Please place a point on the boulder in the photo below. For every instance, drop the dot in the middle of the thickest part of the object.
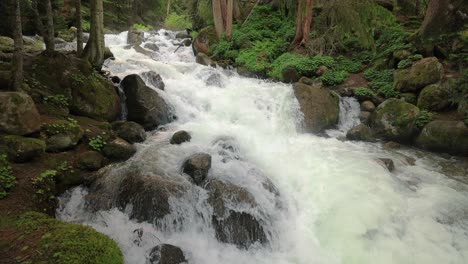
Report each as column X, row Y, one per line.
column 409, row 98
column 186, row 42
column 108, row 53
column 6, row 44
column 166, row 254
column 395, row 120
column 180, row 137
column 231, row 226
column 419, row 75
column 321, row 70
column 197, row 167
column 18, row 114
column 392, row 145
column 319, row 106
column 203, row 59
column 118, row 149
column 115, row 79
column 361, row 132
column 144, row 104
column 143, row 51
column 290, row 75
column 435, row 97
column 309, row 81
column 182, row 35
column 130, row 131
column 22, row 149
column 151, row 46
column 444, row 136
column 153, row 79
column 364, row 117
column 368, row 106
column 387, row 163
column 205, row 38
column 90, row 161
column 135, row 36
column 61, row 135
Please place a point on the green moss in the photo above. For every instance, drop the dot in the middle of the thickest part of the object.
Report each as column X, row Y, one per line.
column 67, row 243
column 334, row 77
column 7, row 179
column 142, row 27
column 424, row 118
column 407, row 62
column 305, row 66
column 69, row 126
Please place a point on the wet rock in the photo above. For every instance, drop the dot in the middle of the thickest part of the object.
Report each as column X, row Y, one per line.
column 197, row 167
column 182, row 35
column 435, row 97
column 186, row 42
column 115, row 79
column 290, row 75
column 135, row 36
column 419, row 75
column 444, row 136
column 145, row 106
column 108, row 54
column 21, row 149
column 90, row 161
column 361, row 132
column 214, row 80
column 364, row 117
column 153, row 79
column 395, row 120
column 309, row 81
column 143, row 51
column 166, row 254
column 392, row 145
column 205, row 38
column 129, row 131
column 61, row 135
column 151, row 46
column 239, row 228
column 18, row 114
column 203, row 59
column 368, row 106
column 319, row 106
column 118, row 149
column 180, row 137
column 388, row 163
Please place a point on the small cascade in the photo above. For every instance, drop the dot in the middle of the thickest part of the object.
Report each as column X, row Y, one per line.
column 348, row 118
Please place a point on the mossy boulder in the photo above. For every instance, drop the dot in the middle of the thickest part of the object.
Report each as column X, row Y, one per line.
column 6, row 44
column 435, row 97
column 419, row 75
column 130, row 131
column 319, row 106
column 61, row 242
column 361, row 132
column 203, row 59
column 444, row 136
column 22, row 149
column 61, row 135
column 395, row 120
column 145, row 106
column 90, row 161
column 411, row 98
column 118, row 149
column 18, row 114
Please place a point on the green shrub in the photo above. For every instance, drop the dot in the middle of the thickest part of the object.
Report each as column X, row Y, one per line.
column 407, row 62
column 363, row 92
column 86, row 25
column 334, row 77
column 97, row 143
column 142, row 27
column 62, row 127
column 392, row 39
column 305, row 66
column 7, row 179
column 177, row 22
column 344, row 64
column 387, row 90
column 57, row 100
column 423, row 118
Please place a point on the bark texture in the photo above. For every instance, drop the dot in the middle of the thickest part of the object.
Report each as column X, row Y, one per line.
column 94, row 50
column 79, row 28
column 17, row 62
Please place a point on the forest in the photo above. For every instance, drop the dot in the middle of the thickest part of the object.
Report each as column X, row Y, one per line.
column 172, row 131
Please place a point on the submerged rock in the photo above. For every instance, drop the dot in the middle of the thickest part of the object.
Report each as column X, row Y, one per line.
column 203, row 59
column 135, row 36
column 166, row 254
column 361, row 132
column 154, row 79
column 387, row 163
column 444, row 136
column 18, row 114
column 151, row 46
column 197, row 167
column 118, row 149
column 319, row 106
column 420, row 74
column 180, row 137
column 145, row 106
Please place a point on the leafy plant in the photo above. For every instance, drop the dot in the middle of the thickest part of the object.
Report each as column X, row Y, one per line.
column 387, row 90
column 142, row 27
column 65, row 126
column 334, row 77
column 57, row 100
column 407, row 62
column 7, row 179
column 345, row 64
column 177, row 22
column 363, row 92
column 423, row 118
column 44, row 184
column 97, row 143
column 304, row 65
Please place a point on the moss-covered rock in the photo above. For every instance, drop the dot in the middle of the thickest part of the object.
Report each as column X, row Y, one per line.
column 61, row 135
column 422, row 73
column 6, row 44
column 319, row 106
column 444, row 136
column 118, row 149
column 22, row 149
column 61, row 242
column 435, row 97
column 409, row 98
column 130, row 131
column 90, row 160
column 18, row 114
column 395, row 120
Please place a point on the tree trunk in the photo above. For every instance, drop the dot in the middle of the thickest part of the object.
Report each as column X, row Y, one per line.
column 303, row 23
column 230, row 5
column 439, row 18
column 37, row 18
column 168, row 8
column 94, row 50
column 218, row 17
column 17, row 62
column 50, row 35
column 299, row 29
column 79, row 29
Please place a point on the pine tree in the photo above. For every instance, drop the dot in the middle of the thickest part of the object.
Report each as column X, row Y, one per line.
column 17, row 62
column 94, row 50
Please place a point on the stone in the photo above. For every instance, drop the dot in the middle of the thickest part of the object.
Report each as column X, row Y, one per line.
column 395, row 120
column 186, row 42
column 166, row 254
column 153, row 79
column 203, row 59
column 321, row 70
column 115, row 79
column 151, row 46
column 435, row 97
column 364, row 117
column 108, row 53
column 129, row 131
column 319, row 106
column 90, row 161
column 419, row 75
column 61, row 135
column 182, row 35
column 309, row 81
column 290, row 75
column 18, row 114
column 6, row 44
column 143, row 51
column 180, row 137
column 368, row 106
column 135, row 36
column 22, row 149
column 444, row 136
column 409, row 98
column 118, row 149
column 145, row 106
column 391, row 145
column 205, row 38
column 361, row 132
column 197, row 167
column 387, row 163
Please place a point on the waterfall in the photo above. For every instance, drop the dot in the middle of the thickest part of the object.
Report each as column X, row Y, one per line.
column 333, row 201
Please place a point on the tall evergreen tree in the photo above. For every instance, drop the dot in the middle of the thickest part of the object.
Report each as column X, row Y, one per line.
column 17, row 62
column 94, row 50
column 49, row 39
column 303, row 23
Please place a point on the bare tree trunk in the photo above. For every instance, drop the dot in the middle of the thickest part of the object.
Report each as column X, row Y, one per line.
column 440, row 15
column 94, row 50
column 224, row 12
column 37, row 18
column 79, row 27
column 17, row 62
column 50, row 36
column 168, row 9
column 230, row 6
column 303, row 23
column 218, row 18
column 299, row 29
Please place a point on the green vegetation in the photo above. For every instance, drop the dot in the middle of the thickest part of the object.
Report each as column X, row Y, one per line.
column 363, row 93
column 424, row 118
column 62, row 127
column 407, row 62
column 97, row 143
column 304, row 65
column 58, row 100
column 44, row 186
column 381, row 81
column 142, row 27
column 177, row 22
column 7, row 179
column 334, row 77
column 67, row 243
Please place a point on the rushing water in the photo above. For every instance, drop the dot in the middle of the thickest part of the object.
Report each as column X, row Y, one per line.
column 339, row 204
